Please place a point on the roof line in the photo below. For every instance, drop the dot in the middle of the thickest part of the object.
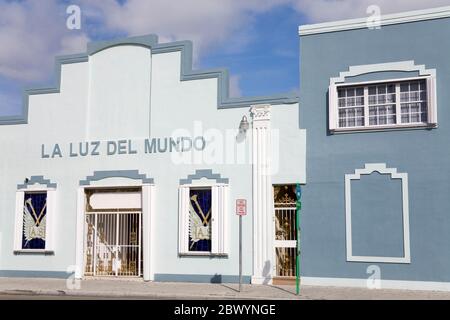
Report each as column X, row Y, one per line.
column 224, row 101
column 362, row 23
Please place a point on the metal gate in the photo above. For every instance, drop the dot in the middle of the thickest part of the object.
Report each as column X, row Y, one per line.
column 285, row 230
column 113, row 245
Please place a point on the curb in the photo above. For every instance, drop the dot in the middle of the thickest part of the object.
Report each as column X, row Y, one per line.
column 160, row 296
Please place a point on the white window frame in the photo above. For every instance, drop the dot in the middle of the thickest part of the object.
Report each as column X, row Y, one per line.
column 368, row 170
column 406, row 66
column 50, row 218
column 219, row 219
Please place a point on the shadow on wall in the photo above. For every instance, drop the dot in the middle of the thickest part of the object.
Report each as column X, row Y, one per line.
column 266, row 272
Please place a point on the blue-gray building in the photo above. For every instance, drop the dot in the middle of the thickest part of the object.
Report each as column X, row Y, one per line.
column 374, row 101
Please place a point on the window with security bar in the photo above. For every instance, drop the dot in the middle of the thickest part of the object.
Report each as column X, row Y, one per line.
column 113, row 224
column 384, row 105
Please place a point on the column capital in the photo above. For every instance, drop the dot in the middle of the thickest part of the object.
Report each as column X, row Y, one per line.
column 260, row 112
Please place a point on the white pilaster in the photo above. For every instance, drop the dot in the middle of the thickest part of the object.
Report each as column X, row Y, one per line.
column 262, row 195
column 80, row 237
column 148, row 211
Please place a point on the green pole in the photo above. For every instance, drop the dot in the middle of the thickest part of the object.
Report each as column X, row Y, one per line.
column 298, row 192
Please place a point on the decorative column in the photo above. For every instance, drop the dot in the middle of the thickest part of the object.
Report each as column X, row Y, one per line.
column 262, row 196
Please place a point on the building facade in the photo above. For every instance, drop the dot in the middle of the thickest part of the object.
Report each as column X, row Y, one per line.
column 131, row 167
column 375, row 107
column 133, row 164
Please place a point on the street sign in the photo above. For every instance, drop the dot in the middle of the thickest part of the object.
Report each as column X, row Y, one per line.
column 241, row 207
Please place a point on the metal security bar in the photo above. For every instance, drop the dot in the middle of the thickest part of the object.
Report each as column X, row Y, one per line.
column 113, row 246
column 285, row 239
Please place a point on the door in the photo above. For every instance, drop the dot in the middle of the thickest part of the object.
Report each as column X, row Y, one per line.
column 285, row 233
column 114, row 235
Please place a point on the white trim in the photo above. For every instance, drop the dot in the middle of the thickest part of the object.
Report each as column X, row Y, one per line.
column 50, row 218
column 382, row 169
column 400, row 66
column 362, row 23
column 148, row 230
column 18, row 222
column 285, row 243
column 384, row 284
column 148, row 212
column 80, row 234
column 262, row 202
column 219, row 218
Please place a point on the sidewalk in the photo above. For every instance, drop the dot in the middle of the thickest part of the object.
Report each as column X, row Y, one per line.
column 139, row 289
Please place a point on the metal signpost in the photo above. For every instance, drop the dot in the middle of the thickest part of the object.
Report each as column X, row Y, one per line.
column 241, row 210
column 298, row 191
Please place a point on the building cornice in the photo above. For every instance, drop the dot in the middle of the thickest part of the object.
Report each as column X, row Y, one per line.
column 361, row 23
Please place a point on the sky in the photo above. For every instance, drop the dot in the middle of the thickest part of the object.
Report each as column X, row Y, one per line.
column 256, row 40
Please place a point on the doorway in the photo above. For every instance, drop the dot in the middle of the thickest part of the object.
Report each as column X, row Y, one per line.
column 113, row 224
column 285, row 234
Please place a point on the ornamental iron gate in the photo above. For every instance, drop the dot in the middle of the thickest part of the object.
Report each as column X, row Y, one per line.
column 113, row 243
column 285, row 230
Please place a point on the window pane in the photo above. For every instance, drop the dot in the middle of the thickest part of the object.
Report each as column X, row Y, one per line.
column 405, row 118
column 404, row 87
column 382, row 102
column 34, row 220
column 360, row 101
column 200, row 220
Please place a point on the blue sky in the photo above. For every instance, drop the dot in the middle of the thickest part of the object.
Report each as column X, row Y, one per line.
column 256, row 40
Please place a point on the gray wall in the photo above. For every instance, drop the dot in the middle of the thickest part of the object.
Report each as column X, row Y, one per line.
column 423, row 154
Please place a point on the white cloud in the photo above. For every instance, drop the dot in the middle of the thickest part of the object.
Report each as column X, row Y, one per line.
column 329, row 10
column 205, row 22
column 235, row 89
column 31, row 34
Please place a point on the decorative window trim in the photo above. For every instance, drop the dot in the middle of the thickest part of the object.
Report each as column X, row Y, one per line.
column 402, row 66
column 35, row 184
column 382, row 169
column 219, row 212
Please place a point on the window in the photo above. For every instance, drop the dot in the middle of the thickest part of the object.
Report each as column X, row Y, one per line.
column 391, row 104
column 35, row 208
column 200, row 220
column 34, row 220
column 203, row 210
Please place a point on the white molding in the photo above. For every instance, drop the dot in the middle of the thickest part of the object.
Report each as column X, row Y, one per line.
column 362, row 23
column 18, row 222
column 399, row 66
column 382, row 169
column 402, row 66
column 80, row 234
column 262, row 202
column 50, row 218
column 148, row 222
column 148, row 212
column 219, row 219
column 384, row 284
